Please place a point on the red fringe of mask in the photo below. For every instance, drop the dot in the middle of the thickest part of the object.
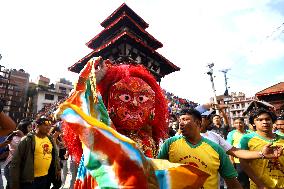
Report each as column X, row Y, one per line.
column 72, row 141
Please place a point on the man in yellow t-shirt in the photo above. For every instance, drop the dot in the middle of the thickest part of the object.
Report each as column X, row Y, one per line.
column 234, row 138
column 191, row 148
column 42, row 156
column 263, row 173
column 35, row 163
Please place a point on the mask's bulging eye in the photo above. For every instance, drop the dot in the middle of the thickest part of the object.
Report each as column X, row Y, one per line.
column 125, row 97
column 142, row 98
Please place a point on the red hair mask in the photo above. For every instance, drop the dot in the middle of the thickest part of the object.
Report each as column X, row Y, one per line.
column 131, row 104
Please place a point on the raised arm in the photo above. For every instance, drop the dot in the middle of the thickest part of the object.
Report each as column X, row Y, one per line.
column 221, row 108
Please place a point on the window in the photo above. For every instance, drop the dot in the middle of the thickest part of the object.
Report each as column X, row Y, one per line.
column 62, row 88
column 49, row 97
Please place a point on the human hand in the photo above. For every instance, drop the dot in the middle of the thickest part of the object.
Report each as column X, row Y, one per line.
column 220, row 106
column 270, row 151
column 101, row 69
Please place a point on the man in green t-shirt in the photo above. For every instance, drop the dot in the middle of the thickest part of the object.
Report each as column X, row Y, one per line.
column 263, row 173
column 191, row 148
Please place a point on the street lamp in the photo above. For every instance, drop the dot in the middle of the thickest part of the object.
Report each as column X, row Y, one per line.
column 210, row 73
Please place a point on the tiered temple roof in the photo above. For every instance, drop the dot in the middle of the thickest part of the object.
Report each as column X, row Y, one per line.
column 124, row 39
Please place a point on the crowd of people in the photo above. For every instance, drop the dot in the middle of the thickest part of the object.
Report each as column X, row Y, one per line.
column 235, row 156
column 176, row 103
column 48, row 109
column 245, row 157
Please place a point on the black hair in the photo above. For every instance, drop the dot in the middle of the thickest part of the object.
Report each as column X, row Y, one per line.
column 280, row 117
column 190, row 111
column 216, row 115
column 23, row 125
column 239, row 118
column 259, row 111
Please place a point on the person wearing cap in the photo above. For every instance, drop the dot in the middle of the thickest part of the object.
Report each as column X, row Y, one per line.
column 35, row 163
column 263, row 173
column 219, row 127
column 191, row 148
column 280, row 125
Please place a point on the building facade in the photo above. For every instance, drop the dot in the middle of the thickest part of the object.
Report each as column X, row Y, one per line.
column 63, row 86
column 236, row 104
column 46, row 94
column 13, row 91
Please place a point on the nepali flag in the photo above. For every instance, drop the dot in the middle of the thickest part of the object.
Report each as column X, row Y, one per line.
column 110, row 159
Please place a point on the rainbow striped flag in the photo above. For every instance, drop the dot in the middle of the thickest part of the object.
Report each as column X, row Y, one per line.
column 110, row 159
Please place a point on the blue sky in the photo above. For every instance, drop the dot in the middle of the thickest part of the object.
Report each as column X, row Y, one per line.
column 245, row 36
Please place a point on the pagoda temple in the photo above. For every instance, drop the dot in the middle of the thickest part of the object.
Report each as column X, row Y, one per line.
column 125, row 39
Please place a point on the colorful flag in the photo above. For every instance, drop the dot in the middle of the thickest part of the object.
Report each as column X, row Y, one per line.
column 110, row 159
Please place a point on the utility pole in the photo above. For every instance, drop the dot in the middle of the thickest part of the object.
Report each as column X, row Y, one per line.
column 225, row 71
column 227, row 98
column 210, row 73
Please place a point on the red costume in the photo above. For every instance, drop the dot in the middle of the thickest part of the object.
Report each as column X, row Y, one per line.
column 136, row 105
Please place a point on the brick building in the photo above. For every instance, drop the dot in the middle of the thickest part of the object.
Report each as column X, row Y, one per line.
column 13, row 90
